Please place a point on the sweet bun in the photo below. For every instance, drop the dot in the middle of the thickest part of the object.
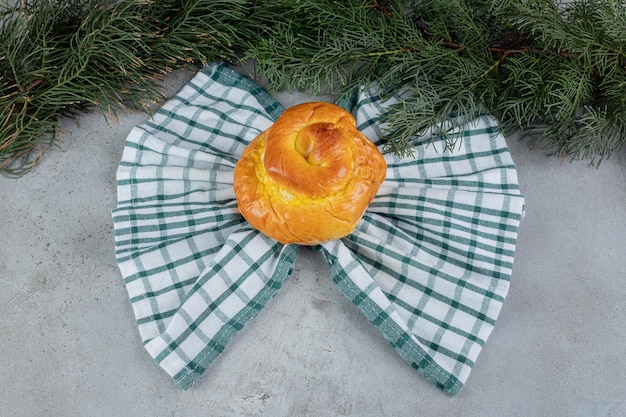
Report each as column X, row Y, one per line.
column 309, row 177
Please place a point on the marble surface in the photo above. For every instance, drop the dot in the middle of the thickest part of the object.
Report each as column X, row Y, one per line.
column 70, row 346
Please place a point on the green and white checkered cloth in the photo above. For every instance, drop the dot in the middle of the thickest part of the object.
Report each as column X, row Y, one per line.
column 429, row 264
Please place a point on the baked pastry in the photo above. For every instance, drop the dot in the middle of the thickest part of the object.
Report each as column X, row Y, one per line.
column 309, row 177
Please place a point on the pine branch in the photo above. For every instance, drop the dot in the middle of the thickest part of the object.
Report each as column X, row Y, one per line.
column 60, row 57
column 554, row 70
column 558, row 72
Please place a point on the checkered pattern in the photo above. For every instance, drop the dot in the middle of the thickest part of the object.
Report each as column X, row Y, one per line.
column 429, row 264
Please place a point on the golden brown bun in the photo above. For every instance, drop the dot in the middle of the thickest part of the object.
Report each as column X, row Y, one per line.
column 309, row 177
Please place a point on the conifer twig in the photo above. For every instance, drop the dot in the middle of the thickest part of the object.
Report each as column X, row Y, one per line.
column 555, row 71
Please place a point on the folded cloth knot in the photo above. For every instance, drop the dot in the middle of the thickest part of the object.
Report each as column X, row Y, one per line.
column 429, row 264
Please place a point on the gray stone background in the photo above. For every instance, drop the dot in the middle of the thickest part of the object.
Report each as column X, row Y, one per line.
column 70, row 347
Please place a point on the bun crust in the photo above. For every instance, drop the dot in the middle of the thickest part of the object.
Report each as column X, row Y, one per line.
column 309, row 177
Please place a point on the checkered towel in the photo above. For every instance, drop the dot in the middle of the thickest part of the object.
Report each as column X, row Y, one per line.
column 429, row 264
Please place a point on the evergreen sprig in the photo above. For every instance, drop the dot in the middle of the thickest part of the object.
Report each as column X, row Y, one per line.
column 555, row 71
column 59, row 57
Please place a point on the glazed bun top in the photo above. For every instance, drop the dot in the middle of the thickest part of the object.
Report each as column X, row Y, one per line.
column 309, row 177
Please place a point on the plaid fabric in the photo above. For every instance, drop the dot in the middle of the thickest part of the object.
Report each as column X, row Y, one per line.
column 429, row 264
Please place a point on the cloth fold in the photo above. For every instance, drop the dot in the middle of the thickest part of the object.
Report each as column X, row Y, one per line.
column 429, row 264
